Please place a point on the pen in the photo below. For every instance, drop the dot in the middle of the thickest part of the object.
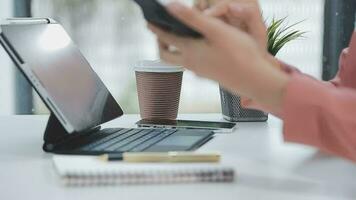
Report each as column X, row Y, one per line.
column 172, row 157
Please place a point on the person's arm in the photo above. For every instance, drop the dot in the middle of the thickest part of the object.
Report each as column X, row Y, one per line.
column 324, row 115
column 345, row 76
column 290, row 70
column 319, row 115
column 314, row 113
column 251, row 104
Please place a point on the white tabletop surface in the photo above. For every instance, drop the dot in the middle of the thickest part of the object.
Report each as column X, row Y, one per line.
column 267, row 167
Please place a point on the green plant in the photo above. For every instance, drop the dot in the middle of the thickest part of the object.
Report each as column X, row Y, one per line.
column 280, row 33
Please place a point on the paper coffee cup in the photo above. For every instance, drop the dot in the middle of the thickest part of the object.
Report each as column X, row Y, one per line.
column 159, row 87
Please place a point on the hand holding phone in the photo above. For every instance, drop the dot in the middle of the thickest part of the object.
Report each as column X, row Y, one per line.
column 155, row 13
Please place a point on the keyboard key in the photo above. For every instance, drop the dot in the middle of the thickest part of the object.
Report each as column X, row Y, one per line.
column 75, row 141
column 139, row 141
column 116, row 140
column 95, row 136
column 105, row 139
column 153, row 140
column 128, row 140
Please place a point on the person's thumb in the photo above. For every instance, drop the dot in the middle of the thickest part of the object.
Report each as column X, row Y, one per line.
column 207, row 26
column 250, row 15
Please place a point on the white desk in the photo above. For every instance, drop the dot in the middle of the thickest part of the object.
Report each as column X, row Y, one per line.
column 267, row 168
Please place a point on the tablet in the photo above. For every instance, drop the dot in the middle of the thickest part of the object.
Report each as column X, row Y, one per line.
column 63, row 78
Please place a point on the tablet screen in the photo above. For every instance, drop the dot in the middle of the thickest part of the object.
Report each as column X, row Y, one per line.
column 68, row 79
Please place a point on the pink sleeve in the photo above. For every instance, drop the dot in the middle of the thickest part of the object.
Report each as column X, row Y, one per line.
column 317, row 114
column 324, row 115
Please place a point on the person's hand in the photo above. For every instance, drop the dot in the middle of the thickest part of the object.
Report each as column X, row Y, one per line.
column 205, row 4
column 225, row 54
column 201, row 4
column 244, row 15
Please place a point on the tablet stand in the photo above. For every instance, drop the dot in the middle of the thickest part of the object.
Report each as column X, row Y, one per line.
column 54, row 132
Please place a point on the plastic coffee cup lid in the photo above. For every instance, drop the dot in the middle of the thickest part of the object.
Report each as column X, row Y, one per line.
column 157, row 66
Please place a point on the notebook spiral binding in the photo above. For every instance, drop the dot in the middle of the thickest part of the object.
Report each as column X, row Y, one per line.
column 81, row 179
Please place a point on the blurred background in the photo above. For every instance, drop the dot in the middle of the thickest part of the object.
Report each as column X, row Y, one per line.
column 113, row 36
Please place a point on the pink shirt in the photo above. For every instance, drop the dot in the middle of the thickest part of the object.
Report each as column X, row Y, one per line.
column 323, row 114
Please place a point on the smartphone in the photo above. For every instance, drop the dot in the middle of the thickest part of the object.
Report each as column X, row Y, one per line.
column 187, row 124
column 155, row 13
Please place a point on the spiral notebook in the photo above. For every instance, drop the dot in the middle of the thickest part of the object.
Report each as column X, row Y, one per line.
column 90, row 171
